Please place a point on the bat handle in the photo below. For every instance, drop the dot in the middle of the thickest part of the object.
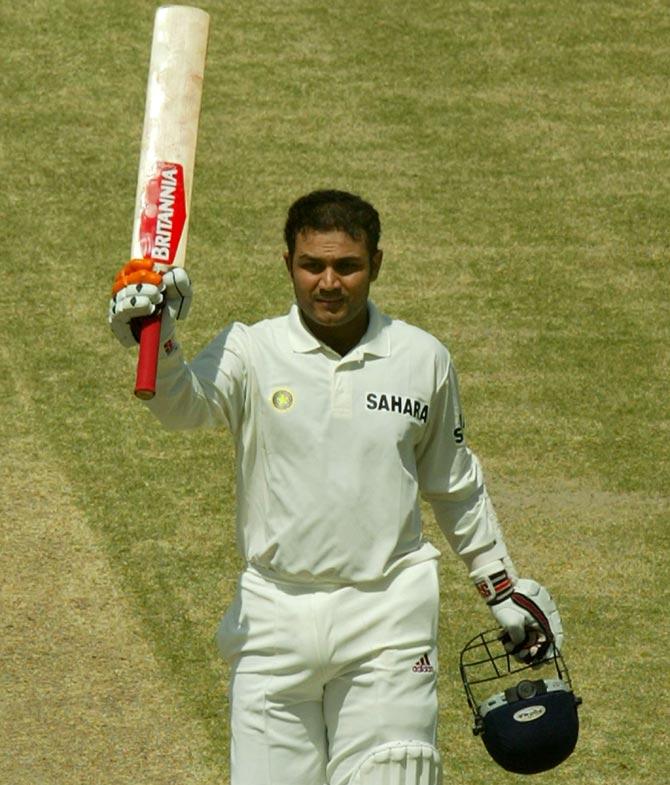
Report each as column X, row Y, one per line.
column 147, row 359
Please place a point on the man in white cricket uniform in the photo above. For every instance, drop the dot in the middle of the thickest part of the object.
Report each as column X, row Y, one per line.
column 342, row 419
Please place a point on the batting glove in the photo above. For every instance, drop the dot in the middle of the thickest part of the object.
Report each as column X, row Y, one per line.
column 139, row 291
column 524, row 609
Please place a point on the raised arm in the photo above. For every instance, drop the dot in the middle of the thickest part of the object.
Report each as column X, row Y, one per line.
column 210, row 391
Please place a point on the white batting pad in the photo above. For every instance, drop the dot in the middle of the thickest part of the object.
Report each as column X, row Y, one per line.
column 400, row 763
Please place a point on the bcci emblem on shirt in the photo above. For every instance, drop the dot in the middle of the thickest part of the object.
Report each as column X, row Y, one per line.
column 282, row 400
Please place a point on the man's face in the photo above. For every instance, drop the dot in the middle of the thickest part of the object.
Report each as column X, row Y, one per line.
column 331, row 274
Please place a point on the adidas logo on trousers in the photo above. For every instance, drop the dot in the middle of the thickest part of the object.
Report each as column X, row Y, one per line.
column 423, row 665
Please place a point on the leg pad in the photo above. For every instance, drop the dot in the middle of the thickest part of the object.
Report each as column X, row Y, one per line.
column 400, row 763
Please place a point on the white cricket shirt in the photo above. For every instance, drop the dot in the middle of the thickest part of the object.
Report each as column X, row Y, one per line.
column 333, row 452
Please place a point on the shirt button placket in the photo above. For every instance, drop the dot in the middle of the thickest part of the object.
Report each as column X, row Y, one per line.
column 342, row 404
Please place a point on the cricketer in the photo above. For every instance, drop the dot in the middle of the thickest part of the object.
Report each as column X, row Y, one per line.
column 343, row 419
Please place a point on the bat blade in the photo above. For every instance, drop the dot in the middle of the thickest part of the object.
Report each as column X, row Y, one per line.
column 167, row 158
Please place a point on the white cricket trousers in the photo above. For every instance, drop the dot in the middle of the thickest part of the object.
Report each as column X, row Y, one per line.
column 322, row 674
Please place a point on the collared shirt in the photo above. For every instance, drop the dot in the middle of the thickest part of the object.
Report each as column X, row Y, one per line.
column 333, row 453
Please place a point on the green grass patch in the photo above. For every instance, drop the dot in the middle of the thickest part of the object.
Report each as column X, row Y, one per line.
column 518, row 154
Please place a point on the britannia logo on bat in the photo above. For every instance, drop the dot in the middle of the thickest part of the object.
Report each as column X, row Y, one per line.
column 163, row 213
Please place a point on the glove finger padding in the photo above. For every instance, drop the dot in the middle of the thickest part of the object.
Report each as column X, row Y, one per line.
column 137, row 292
column 132, row 302
column 140, row 289
column 531, row 622
column 140, row 299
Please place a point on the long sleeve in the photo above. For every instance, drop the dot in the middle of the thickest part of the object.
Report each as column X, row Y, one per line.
column 208, row 392
column 452, row 481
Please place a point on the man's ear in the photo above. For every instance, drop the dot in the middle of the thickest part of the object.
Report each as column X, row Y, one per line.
column 289, row 263
column 376, row 263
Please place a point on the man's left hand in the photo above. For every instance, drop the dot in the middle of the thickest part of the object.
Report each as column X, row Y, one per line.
column 531, row 622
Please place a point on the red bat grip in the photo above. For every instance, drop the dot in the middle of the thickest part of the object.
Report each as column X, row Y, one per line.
column 147, row 359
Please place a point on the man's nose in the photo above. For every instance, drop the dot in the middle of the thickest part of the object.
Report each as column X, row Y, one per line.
column 330, row 279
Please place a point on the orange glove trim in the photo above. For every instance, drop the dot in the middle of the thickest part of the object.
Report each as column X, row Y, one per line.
column 134, row 272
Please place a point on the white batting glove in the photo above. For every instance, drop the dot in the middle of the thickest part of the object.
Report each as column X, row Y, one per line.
column 531, row 622
column 177, row 298
column 132, row 302
column 172, row 292
column 524, row 609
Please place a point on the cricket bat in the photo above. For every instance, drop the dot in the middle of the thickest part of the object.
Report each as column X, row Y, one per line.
column 167, row 158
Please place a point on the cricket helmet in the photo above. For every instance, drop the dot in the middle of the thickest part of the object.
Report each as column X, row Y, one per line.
column 530, row 723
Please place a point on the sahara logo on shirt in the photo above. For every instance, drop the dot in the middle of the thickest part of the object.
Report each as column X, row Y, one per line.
column 400, row 404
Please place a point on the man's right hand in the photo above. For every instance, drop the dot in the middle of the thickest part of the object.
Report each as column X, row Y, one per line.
column 139, row 290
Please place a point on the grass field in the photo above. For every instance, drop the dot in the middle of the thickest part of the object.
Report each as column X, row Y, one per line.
column 518, row 153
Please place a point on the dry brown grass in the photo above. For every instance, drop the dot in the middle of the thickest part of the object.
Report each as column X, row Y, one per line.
column 83, row 698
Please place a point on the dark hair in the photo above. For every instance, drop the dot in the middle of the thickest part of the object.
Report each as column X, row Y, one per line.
column 327, row 210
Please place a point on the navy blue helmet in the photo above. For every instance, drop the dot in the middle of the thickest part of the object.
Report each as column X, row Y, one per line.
column 530, row 723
